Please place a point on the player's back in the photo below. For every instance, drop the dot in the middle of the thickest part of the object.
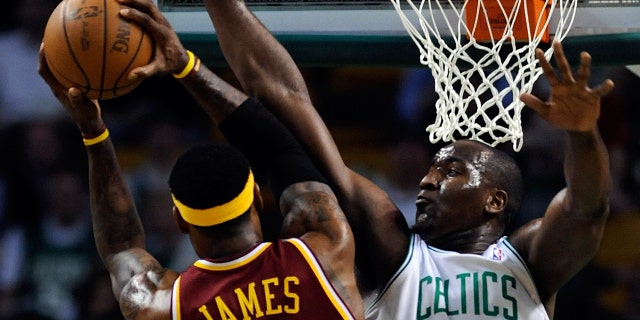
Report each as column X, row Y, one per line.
column 279, row 280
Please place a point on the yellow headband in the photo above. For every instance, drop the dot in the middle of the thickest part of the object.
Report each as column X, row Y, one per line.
column 221, row 213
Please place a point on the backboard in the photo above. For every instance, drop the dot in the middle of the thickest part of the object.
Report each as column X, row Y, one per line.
column 369, row 32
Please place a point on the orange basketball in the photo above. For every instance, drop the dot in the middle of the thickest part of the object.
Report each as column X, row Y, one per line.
column 88, row 45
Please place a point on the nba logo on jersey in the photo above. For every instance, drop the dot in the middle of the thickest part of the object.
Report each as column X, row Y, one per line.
column 497, row 254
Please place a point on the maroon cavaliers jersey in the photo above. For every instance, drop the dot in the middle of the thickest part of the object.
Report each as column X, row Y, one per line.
column 279, row 280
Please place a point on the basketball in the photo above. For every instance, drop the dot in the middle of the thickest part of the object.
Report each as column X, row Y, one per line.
column 88, row 45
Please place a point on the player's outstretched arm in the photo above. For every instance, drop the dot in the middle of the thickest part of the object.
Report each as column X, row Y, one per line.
column 569, row 234
column 267, row 72
column 138, row 280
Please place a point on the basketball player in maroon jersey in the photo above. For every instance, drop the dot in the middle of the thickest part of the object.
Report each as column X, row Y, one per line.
column 309, row 274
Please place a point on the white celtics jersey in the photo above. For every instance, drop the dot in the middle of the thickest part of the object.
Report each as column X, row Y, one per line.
column 436, row 284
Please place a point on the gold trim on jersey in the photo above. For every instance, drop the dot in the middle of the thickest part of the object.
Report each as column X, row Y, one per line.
column 324, row 282
column 236, row 263
column 175, row 300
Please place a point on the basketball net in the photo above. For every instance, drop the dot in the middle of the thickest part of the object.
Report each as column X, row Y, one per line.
column 482, row 56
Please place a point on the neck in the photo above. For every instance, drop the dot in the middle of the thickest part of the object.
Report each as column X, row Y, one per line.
column 474, row 241
column 215, row 248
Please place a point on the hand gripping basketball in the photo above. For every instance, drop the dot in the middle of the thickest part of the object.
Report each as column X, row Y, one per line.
column 88, row 45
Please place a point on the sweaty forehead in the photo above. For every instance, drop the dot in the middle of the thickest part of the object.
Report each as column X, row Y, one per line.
column 465, row 151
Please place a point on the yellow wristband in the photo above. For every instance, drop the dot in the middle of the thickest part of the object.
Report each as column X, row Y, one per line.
column 102, row 137
column 188, row 67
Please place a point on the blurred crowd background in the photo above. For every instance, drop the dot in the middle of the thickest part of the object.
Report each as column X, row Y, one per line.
column 49, row 267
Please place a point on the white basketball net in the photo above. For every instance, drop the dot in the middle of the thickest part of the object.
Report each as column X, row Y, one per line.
column 479, row 83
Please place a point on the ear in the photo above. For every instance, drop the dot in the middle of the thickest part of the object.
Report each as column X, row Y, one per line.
column 497, row 201
column 182, row 225
column 258, row 202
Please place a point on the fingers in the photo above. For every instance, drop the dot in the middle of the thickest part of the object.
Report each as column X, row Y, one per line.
column 547, row 69
column 143, row 72
column 582, row 74
column 43, row 69
column 584, row 70
column 146, row 14
column 75, row 97
column 140, row 18
column 79, row 100
column 168, row 47
column 562, row 62
column 534, row 103
column 604, row 88
column 142, row 5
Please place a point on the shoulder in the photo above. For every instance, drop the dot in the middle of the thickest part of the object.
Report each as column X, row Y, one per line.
column 312, row 206
column 522, row 237
column 312, row 189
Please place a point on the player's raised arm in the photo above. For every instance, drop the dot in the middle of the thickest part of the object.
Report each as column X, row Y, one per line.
column 569, row 234
column 138, row 280
column 267, row 71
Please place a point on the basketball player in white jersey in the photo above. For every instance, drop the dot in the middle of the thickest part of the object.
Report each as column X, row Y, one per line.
column 455, row 262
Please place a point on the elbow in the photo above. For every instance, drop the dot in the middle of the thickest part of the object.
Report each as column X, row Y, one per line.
column 589, row 201
column 593, row 212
